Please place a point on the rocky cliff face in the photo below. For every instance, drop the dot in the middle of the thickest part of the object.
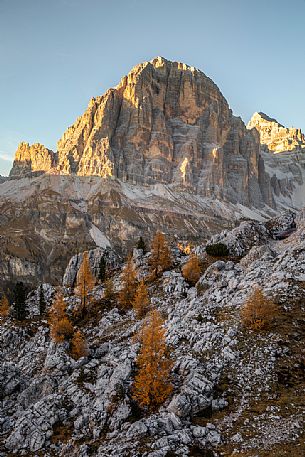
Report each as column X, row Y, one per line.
column 166, row 123
column 46, row 219
column 282, row 151
column 34, row 159
column 275, row 137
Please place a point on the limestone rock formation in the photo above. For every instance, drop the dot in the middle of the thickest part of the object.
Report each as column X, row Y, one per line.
column 234, row 388
column 274, row 136
column 34, row 159
column 95, row 255
column 166, row 123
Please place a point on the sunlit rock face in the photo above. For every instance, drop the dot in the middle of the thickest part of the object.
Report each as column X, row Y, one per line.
column 34, row 159
column 274, row 136
column 283, row 155
column 165, row 123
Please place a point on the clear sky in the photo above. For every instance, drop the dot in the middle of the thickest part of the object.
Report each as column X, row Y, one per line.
column 56, row 54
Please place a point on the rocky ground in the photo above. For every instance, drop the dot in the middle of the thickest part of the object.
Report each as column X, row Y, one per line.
column 236, row 391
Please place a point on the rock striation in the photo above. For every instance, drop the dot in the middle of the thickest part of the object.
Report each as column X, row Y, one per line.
column 274, row 136
column 95, row 256
column 45, row 222
column 34, row 159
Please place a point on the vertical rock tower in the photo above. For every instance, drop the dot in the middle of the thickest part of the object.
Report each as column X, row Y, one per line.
column 34, row 159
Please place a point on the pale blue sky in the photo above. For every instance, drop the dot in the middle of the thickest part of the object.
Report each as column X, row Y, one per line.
column 55, row 55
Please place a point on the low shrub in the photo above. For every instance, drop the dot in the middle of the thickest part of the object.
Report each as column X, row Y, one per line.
column 217, row 250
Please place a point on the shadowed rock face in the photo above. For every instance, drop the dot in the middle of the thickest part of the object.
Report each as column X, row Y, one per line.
column 274, row 136
column 165, row 122
column 47, row 219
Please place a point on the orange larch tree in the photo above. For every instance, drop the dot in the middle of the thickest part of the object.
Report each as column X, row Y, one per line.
column 4, row 306
column 129, row 281
column 109, row 292
column 141, row 300
column 152, row 385
column 160, row 259
column 84, row 284
column 191, row 270
column 60, row 325
column 258, row 312
column 79, row 347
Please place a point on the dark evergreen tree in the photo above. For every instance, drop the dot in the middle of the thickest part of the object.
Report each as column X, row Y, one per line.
column 217, row 250
column 102, row 269
column 19, row 301
column 42, row 301
column 141, row 245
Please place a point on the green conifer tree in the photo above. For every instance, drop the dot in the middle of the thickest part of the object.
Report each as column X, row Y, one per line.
column 141, row 245
column 42, row 301
column 19, row 301
column 102, row 269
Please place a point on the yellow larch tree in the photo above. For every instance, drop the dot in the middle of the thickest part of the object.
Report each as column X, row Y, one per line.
column 129, row 285
column 160, row 259
column 141, row 300
column 84, row 284
column 4, row 306
column 79, row 347
column 152, row 384
column 60, row 325
column 109, row 292
column 258, row 312
column 191, row 270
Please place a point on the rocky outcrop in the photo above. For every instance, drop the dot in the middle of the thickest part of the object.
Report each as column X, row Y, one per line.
column 222, row 374
column 275, row 137
column 32, row 160
column 95, row 256
column 240, row 240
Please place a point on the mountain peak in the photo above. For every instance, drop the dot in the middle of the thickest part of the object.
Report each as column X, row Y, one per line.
column 29, row 159
column 275, row 136
column 158, row 64
column 160, row 61
column 165, row 123
column 260, row 116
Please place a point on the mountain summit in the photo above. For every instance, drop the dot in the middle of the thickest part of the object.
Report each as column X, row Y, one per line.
column 275, row 137
column 165, row 122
